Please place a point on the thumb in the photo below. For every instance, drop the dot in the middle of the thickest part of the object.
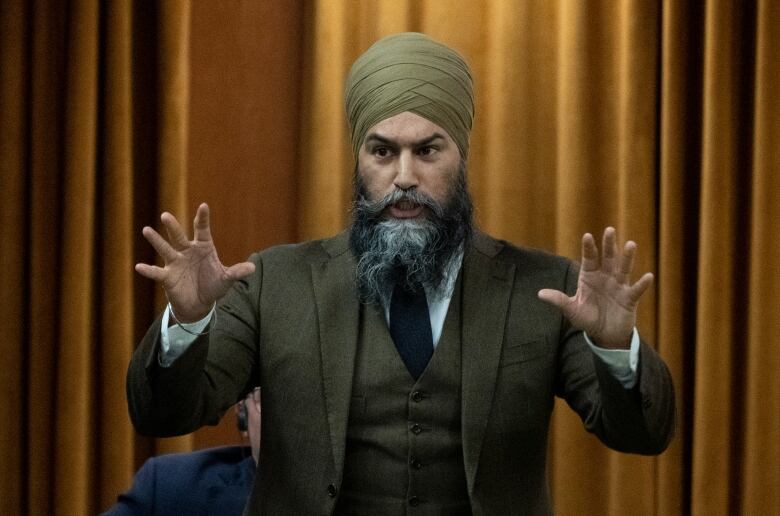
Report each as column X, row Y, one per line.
column 239, row 270
column 554, row 297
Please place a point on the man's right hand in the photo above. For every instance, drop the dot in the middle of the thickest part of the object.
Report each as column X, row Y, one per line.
column 193, row 277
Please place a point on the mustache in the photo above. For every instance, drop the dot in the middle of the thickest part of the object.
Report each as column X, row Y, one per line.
column 411, row 195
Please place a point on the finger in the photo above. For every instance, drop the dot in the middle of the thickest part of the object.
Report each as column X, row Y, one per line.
column 608, row 250
column 176, row 236
column 627, row 261
column 162, row 247
column 151, row 271
column 639, row 288
column 590, row 253
column 239, row 270
column 555, row 298
column 201, row 224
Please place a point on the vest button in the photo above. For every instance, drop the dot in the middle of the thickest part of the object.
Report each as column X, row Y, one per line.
column 332, row 491
column 416, row 464
column 417, row 396
column 416, row 429
column 414, row 501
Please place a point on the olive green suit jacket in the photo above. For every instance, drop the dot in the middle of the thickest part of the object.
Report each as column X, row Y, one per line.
column 292, row 327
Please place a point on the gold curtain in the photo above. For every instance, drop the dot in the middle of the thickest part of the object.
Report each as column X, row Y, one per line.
column 660, row 117
column 83, row 100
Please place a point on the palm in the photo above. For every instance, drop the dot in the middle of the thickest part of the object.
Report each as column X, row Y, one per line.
column 193, row 276
column 604, row 305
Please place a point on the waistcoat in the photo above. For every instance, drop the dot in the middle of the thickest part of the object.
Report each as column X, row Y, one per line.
column 404, row 453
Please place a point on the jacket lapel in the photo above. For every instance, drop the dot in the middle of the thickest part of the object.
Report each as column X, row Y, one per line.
column 487, row 287
column 338, row 312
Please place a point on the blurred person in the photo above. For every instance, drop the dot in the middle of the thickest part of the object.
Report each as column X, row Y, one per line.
column 210, row 481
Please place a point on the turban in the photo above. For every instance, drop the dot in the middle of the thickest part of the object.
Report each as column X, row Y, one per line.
column 410, row 72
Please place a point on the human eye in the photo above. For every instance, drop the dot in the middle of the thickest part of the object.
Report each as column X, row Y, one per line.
column 427, row 151
column 381, row 151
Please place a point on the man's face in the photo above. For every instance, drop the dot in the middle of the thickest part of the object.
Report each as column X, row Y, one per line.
column 408, row 151
column 412, row 210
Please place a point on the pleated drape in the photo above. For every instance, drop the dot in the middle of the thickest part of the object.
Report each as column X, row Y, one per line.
column 727, row 78
column 658, row 117
column 71, row 175
column 13, row 266
column 759, row 467
column 679, row 144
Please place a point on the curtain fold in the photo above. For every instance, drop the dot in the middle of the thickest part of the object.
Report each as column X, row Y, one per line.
column 71, row 168
column 74, row 380
column 760, row 467
column 679, row 180
column 727, row 114
column 13, row 235
column 516, row 181
column 328, row 53
column 115, row 230
column 44, row 150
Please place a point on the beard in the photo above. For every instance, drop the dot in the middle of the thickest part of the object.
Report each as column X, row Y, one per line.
column 412, row 253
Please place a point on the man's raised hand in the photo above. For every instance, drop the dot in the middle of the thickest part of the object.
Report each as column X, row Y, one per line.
column 193, row 277
column 604, row 305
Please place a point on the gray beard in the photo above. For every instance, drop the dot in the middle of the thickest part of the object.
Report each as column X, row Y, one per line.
column 417, row 254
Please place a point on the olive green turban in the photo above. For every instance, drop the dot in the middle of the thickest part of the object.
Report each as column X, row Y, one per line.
column 410, row 72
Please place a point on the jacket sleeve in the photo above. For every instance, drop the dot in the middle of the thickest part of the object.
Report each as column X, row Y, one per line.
column 209, row 377
column 637, row 420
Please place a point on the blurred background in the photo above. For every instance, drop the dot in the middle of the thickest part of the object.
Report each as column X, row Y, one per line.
column 659, row 117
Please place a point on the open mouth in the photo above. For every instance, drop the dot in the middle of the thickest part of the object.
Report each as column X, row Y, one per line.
column 405, row 209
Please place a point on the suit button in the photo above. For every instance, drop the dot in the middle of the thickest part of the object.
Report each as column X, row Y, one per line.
column 332, row 491
column 414, row 501
column 417, row 396
column 416, row 429
column 647, row 402
column 416, row 464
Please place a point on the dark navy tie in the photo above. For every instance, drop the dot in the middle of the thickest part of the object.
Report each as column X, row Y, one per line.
column 410, row 327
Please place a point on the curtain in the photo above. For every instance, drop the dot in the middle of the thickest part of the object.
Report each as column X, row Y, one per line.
column 658, row 117
column 106, row 120
column 92, row 142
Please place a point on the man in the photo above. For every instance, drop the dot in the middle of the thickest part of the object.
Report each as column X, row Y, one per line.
column 211, row 481
column 408, row 365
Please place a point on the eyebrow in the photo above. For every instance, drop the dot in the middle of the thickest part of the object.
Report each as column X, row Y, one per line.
column 387, row 141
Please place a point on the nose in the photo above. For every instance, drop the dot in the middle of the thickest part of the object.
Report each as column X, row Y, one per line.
column 406, row 173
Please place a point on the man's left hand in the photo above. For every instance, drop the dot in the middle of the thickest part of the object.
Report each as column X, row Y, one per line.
column 604, row 305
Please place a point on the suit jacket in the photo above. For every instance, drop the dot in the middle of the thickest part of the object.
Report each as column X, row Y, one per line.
column 213, row 481
column 292, row 327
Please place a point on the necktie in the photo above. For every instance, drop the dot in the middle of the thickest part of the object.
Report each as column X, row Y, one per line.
column 410, row 327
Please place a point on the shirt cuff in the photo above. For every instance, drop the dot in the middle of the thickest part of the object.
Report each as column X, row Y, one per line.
column 174, row 341
column 622, row 363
